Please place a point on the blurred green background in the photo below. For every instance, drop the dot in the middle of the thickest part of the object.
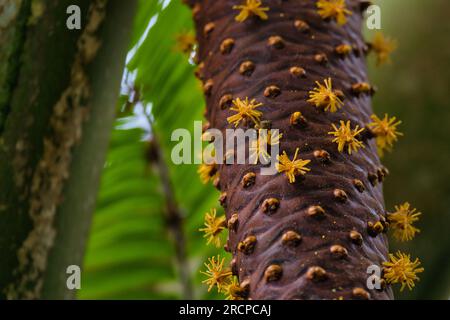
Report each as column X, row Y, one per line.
column 131, row 251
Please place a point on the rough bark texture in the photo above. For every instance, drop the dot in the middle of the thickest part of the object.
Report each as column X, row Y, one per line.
column 61, row 89
column 345, row 266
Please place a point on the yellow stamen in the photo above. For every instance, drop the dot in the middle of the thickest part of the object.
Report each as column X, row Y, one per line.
column 185, row 42
column 213, row 227
column 325, row 97
column 346, row 136
column 292, row 168
column 385, row 131
column 232, row 290
column 333, row 9
column 383, row 47
column 400, row 269
column 401, row 221
column 216, row 275
column 245, row 110
column 251, row 7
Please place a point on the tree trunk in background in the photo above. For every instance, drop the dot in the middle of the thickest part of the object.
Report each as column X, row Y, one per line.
column 58, row 95
column 332, row 258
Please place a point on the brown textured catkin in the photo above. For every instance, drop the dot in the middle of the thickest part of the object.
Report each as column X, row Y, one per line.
column 324, row 233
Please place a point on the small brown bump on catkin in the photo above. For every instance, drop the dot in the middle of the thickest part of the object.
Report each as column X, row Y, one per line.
column 248, row 180
column 373, row 179
column 343, row 49
column 208, row 86
column 360, row 293
column 322, row 156
column 270, row 206
column 233, row 222
column 216, row 183
column 276, row 41
column 297, row 119
column 272, row 91
column 227, row 46
column 297, row 72
column 196, row 10
column 273, row 273
column 223, row 199
column 226, row 101
column 340, row 195
column 321, row 58
column 291, row 238
column 199, row 71
column 248, row 245
column 209, row 27
column 316, row 274
column 316, row 212
column 339, row 251
column 359, row 185
column 301, row 26
column 246, row 68
column 381, row 175
column 206, row 126
column 245, row 286
column 361, row 88
column 375, row 228
column 356, row 237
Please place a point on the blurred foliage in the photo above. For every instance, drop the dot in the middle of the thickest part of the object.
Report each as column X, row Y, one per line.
column 130, row 254
column 415, row 87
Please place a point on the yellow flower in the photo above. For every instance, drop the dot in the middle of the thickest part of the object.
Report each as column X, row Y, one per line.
column 292, row 168
column 232, row 290
column 245, row 110
column 259, row 147
column 333, row 9
column 213, row 227
column 345, row 135
column 251, row 7
column 185, row 42
column 208, row 172
column 324, row 97
column 385, row 131
column 400, row 269
column 383, row 47
column 217, row 276
column 402, row 222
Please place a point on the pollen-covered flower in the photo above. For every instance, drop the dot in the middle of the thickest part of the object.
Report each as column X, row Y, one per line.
column 259, row 147
column 216, row 274
column 213, row 227
column 346, row 136
column 245, row 110
column 232, row 290
column 400, row 269
column 323, row 96
column 383, row 47
column 402, row 220
column 292, row 168
column 208, row 172
column 185, row 42
column 385, row 131
column 333, row 9
column 251, row 7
